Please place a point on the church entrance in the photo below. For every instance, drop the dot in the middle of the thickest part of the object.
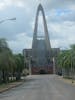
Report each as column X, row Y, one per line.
column 42, row 71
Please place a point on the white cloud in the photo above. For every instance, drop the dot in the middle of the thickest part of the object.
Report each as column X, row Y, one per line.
column 6, row 3
column 68, row 17
column 50, row 4
column 2, row 6
column 22, row 41
column 60, row 16
column 62, row 34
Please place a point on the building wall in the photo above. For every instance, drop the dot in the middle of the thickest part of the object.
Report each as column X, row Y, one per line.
column 35, row 69
column 46, row 69
column 40, row 56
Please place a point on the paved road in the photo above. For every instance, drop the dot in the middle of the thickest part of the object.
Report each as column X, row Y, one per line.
column 41, row 87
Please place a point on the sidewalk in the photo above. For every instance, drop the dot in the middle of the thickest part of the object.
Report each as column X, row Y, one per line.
column 5, row 87
column 69, row 81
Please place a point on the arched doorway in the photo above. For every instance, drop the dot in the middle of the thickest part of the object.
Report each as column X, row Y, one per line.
column 42, row 71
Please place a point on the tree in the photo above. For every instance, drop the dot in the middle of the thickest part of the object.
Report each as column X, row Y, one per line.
column 10, row 64
column 73, row 58
column 19, row 60
column 6, row 60
column 64, row 61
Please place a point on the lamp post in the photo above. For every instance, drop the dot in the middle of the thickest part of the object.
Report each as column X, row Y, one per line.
column 53, row 65
column 11, row 19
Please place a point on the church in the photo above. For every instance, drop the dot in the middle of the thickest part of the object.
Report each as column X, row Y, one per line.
column 40, row 59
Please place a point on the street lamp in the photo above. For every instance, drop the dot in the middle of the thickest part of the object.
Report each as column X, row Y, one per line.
column 11, row 19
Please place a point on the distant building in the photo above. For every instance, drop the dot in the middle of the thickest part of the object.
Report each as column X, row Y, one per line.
column 39, row 59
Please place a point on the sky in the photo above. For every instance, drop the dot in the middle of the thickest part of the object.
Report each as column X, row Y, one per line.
column 60, row 17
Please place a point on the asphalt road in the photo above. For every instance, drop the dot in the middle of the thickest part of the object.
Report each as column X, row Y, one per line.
column 41, row 87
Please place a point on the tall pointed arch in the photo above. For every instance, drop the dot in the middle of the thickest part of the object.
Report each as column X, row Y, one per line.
column 34, row 43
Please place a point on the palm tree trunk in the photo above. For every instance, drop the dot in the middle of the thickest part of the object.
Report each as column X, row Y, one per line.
column 4, row 76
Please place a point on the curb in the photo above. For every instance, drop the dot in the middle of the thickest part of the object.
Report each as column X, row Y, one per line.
column 66, row 80
column 10, row 87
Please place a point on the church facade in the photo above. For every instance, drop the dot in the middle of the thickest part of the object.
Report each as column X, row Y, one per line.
column 39, row 59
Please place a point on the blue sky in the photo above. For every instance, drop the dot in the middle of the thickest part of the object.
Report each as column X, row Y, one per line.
column 60, row 17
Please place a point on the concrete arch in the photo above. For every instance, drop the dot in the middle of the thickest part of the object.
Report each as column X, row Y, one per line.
column 40, row 8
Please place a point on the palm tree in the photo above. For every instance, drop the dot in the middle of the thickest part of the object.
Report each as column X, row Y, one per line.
column 64, row 61
column 19, row 60
column 73, row 59
column 6, row 60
